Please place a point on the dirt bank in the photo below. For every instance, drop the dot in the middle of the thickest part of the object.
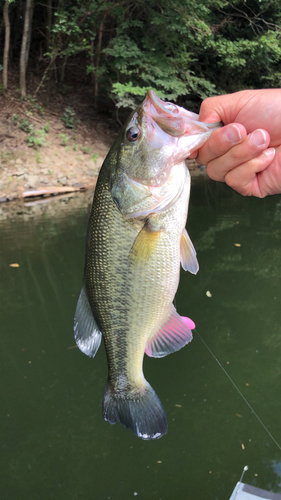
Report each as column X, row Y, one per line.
column 39, row 152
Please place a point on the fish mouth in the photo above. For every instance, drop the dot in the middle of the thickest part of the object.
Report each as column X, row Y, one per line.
column 172, row 119
column 167, row 108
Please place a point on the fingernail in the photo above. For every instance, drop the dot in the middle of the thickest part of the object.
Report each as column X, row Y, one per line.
column 269, row 152
column 233, row 134
column 258, row 138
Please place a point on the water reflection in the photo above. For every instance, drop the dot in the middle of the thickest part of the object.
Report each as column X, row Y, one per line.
column 54, row 442
column 276, row 466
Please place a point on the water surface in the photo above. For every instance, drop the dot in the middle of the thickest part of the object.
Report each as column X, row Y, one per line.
column 54, row 442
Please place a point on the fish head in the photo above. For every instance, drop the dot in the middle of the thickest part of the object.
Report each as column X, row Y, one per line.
column 157, row 136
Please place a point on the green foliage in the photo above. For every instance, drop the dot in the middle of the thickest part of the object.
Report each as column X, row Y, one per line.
column 34, row 106
column 64, row 139
column 184, row 50
column 69, row 118
column 3, row 90
column 46, row 127
column 25, row 125
column 5, row 156
column 36, row 138
column 66, row 25
column 125, row 94
column 85, row 150
column 38, row 158
column 190, row 51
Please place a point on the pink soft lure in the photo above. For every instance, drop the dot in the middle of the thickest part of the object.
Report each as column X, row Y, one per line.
column 188, row 322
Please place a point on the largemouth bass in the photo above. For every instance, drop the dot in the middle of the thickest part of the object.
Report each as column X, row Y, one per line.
column 135, row 244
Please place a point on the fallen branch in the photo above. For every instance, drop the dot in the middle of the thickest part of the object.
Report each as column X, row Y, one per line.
column 52, row 190
column 46, row 72
column 47, row 199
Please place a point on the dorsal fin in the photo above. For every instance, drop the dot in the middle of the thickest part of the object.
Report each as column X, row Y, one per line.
column 86, row 331
column 189, row 260
column 171, row 337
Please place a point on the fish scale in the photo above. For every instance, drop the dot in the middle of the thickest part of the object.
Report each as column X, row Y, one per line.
column 107, row 268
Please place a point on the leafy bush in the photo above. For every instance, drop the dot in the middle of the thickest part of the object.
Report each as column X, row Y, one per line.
column 46, row 127
column 68, row 117
column 36, row 138
column 184, row 50
column 25, row 125
column 34, row 106
column 64, row 139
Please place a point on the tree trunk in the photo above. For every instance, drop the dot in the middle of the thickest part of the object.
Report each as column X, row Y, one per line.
column 49, row 23
column 98, row 51
column 49, row 68
column 2, row 24
column 24, row 46
column 7, row 43
column 92, row 60
column 62, row 74
column 29, row 34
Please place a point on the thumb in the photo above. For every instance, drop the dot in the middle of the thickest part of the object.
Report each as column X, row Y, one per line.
column 212, row 110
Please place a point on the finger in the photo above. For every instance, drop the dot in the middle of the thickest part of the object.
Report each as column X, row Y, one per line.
column 251, row 147
column 245, row 178
column 221, row 141
column 193, row 155
column 226, row 108
column 213, row 109
column 269, row 179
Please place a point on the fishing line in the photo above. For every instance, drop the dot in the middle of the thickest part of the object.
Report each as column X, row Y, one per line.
column 238, row 390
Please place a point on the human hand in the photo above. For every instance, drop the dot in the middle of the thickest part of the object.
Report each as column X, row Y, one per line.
column 239, row 153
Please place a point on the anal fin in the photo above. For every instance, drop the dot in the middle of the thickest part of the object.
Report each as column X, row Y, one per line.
column 86, row 331
column 171, row 337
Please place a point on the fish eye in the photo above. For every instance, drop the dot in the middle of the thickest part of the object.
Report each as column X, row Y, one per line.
column 133, row 134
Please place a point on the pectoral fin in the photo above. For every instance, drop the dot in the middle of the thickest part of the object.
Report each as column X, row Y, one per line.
column 86, row 331
column 146, row 242
column 189, row 260
column 171, row 337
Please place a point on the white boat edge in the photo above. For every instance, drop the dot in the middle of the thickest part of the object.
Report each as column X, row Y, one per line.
column 243, row 491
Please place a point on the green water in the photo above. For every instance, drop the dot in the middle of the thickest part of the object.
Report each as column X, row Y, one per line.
column 54, row 443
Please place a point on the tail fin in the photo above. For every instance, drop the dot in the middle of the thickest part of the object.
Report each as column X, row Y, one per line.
column 142, row 413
